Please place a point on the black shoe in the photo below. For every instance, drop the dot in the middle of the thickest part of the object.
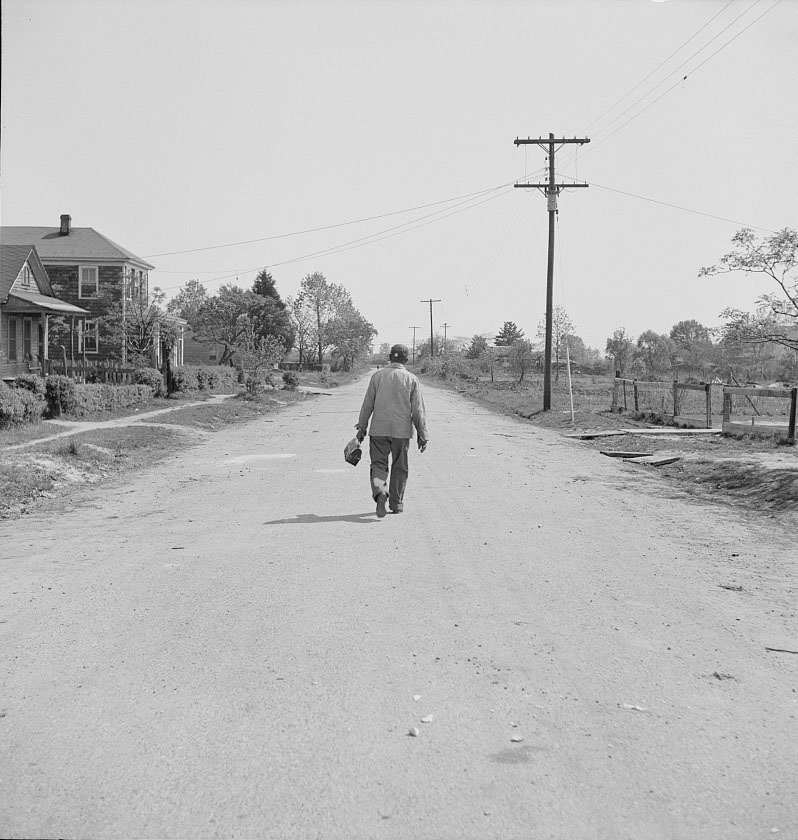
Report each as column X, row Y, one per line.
column 398, row 509
column 381, row 500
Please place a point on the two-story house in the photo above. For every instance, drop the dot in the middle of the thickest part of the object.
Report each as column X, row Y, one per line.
column 88, row 270
column 27, row 305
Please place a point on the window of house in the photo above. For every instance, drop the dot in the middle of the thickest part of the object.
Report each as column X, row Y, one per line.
column 88, row 281
column 88, row 338
column 12, row 340
column 26, row 276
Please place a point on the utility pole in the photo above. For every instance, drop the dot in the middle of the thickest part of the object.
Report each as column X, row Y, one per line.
column 431, row 339
column 551, row 190
column 445, row 327
column 414, row 343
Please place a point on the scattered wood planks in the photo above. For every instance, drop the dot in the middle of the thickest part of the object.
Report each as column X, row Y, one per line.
column 598, row 434
column 625, row 455
column 659, row 430
column 652, row 459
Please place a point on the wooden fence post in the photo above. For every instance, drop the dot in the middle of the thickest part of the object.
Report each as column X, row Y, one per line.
column 624, row 395
column 614, row 406
column 727, row 401
column 791, row 428
column 675, row 398
column 708, row 388
column 637, row 401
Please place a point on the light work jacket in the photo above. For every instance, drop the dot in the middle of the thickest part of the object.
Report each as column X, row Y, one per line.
column 394, row 403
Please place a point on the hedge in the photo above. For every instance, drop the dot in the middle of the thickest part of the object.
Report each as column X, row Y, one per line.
column 19, row 405
column 59, row 391
column 100, row 398
column 215, row 378
column 31, row 382
column 151, row 377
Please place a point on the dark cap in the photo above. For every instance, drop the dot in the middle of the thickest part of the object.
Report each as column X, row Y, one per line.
column 399, row 353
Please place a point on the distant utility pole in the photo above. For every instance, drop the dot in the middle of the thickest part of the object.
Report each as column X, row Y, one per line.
column 551, row 190
column 414, row 343
column 445, row 327
column 431, row 339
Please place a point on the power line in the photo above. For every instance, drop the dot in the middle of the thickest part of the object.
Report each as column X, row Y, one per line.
column 677, row 207
column 405, row 227
column 329, row 227
column 683, row 78
column 661, row 64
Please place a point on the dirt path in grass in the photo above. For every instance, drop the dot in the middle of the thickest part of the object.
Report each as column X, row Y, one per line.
column 231, row 644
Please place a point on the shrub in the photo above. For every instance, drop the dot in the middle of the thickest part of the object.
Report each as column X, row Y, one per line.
column 59, row 391
column 19, row 405
column 290, row 380
column 100, row 399
column 213, row 378
column 217, row 378
column 151, row 377
column 30, row 382
column 185, row 379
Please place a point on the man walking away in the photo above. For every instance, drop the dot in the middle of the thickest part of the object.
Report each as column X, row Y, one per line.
column 394, row 404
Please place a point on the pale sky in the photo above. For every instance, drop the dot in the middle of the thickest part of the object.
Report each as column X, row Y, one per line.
column 178, row 125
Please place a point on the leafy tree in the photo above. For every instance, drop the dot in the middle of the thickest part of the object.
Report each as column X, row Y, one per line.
column 619, row 349
column 561, row 327
column 747, row 356
column 303, row 323
column 576, row 349
column 322, row 301
column 226, row 317
column 134, row 325
column 223, row 319
column 693, row 341
column 423, row 349
column 776, row 257
column 350, row 335
column 258, row 355
column 508, row 335
column 522, row 357
column 264, row 285
column 657, row 351
column 187, row 302
column 688, row 334
column 477, row 347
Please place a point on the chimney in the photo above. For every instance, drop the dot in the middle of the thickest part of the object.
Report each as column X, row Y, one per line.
column 65, row 222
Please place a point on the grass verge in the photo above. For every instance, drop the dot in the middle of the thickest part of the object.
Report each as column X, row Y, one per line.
column 44, row 472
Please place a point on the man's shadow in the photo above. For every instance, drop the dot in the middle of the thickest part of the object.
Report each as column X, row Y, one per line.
column 313, row 519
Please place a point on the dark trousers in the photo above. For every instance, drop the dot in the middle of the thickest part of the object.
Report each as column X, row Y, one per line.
column 380, row 448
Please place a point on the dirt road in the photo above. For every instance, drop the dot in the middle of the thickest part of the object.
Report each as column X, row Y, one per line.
column 233, row 645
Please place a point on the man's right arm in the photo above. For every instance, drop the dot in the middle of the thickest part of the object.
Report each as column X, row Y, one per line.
column 366, row 409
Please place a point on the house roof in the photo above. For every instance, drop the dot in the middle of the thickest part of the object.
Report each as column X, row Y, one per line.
column 12, row 258
column 80, row 244
column 20, row 301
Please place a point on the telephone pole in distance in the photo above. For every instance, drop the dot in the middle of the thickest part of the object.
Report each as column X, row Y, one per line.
column 445, row 327
column 431, row 339
column 551, row 190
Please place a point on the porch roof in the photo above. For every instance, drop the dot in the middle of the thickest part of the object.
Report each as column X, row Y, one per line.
column 19, row 301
